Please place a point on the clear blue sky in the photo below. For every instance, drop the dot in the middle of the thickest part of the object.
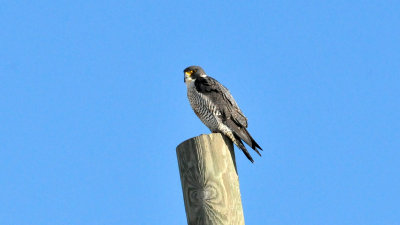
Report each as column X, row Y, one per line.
column 93, row 104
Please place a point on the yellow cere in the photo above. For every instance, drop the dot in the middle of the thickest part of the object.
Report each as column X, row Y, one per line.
column 189, row 72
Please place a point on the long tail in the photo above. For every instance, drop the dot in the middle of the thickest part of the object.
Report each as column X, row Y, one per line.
column 243, row 134
column 246, row 137
column 236, row 140
column 238, row 133
column 240, row 144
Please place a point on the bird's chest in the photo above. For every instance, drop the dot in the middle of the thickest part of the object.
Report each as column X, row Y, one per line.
column 204, row 108
column 198, row 101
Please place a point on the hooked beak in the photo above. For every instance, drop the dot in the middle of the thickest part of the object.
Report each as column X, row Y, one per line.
column 188, row 75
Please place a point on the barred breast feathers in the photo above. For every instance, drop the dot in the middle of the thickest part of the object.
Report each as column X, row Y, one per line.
column 217, row 109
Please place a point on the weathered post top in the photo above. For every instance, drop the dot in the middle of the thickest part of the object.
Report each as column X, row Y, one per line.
column 210, row 182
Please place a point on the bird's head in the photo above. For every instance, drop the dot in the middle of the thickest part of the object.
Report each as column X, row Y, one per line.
column 192, row 73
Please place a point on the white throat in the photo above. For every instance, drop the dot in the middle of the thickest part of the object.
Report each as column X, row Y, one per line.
column 190, row 82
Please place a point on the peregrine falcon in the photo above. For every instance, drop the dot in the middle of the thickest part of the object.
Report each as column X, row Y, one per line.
column 217, row 109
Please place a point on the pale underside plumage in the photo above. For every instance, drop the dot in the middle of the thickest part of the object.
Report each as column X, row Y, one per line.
column 217, row 109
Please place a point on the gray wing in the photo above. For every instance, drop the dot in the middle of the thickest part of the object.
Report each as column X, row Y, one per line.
column 231, row 114
column 223, row 99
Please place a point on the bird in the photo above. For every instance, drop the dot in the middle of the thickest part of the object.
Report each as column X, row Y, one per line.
column 217, row 109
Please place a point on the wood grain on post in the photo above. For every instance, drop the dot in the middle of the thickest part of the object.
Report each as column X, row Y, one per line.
column 209, row 180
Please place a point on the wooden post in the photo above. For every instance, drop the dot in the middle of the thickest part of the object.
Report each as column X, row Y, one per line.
column 210, row 183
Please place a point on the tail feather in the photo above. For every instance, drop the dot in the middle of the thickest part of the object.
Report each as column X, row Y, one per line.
column 243, row 134
column 240, row 144
column 240, row 137
column 253, row 144
column 240, row 133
